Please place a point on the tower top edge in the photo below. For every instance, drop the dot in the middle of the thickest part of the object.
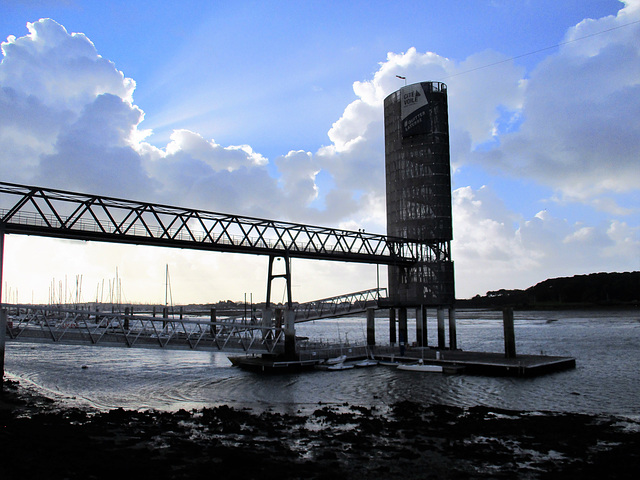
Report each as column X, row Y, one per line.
column 430, row 86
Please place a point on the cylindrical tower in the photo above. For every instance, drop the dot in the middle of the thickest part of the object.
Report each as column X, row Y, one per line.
column 419, row 191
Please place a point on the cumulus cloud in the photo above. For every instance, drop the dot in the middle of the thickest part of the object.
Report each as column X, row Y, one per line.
column 94, row 153
column 89, row 136
column 495, row 247
column 68, row 119
column 61, row 70
column 67, row 114
column 579, row 133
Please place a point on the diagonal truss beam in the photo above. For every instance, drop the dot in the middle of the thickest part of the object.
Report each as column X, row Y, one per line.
column 49, row 212
column 338, row 306
column 57, row 324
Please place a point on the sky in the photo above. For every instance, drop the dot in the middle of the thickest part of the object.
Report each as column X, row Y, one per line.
column 274, row 110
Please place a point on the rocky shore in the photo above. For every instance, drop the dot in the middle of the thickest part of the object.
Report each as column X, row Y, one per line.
column 39, row 439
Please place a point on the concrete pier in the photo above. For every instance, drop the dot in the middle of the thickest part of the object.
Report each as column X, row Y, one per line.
column 441, row 331
column 402, row 327
column 290, row 334
column 3, row 337
column 509, row 333
column 425, row 331
column 453, row 339
column 392, row 326
column 1, row 259
column 371, row 327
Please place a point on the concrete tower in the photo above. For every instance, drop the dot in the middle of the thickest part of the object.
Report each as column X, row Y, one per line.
column 419, row 191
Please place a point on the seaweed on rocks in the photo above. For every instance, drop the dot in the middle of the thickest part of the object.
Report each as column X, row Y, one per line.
column 409, row 440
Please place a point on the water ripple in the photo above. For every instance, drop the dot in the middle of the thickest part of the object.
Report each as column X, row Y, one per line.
column 606, row 346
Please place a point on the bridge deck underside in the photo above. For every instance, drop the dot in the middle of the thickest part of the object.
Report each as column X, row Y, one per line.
column 55, row 324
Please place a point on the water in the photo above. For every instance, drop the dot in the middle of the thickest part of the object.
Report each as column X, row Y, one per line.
column 606, row 345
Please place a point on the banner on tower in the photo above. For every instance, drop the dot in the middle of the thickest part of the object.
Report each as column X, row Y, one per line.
column 414, row 110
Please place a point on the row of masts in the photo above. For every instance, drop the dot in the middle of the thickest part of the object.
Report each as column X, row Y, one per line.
column 65, row 292
column 109, row 292
column 62, row 293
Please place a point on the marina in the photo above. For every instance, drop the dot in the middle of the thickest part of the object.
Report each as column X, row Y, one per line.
column 441, row 281
column 605, row 345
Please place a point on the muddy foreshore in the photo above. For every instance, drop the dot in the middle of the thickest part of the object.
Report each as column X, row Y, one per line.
column 38, row 439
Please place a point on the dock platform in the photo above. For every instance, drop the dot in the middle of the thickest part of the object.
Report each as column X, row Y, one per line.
column 452, row 361
column 488, row 363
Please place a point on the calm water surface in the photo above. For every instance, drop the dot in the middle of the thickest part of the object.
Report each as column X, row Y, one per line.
column 606, row 345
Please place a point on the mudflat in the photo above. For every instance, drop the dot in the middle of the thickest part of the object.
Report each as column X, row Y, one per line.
column 406, row 440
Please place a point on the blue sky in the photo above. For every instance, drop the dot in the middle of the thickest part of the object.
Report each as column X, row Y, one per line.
column 273, row 109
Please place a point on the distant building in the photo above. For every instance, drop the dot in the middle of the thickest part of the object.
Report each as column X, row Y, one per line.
column 419, row 191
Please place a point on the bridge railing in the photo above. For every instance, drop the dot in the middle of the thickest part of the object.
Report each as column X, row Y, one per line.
column 46, row 324
column 339, row 306
column 42, row 211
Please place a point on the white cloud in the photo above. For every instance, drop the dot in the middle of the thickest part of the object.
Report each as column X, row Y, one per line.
column 68, row 119
column 496, row 248
column 62, row 70
column 580, row 133
column 94, row 153
column 184, row 142
column 487, row 247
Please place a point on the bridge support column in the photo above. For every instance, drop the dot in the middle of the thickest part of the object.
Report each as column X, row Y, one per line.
column 3, row 337
column 290, row 335
column 267, row 321
column 453, row 339
column 212, row 328
column 1, row 260
column 421, row 326
column 402, row 327
column 425, row 330
column 371, row 327
column 509, row 333
column 392, row 326
column 441, row 332
column 126, row 318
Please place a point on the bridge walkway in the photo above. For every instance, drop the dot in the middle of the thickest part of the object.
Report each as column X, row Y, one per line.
column 74, row 326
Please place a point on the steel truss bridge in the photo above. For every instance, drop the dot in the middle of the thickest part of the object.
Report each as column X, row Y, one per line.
column 76, row 326
column 30, row 210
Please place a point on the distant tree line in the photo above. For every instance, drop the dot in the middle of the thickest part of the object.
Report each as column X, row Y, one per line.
column 594, row 290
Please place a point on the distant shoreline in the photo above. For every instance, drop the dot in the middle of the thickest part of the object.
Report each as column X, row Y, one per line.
column 472, row 304
column 593, row 291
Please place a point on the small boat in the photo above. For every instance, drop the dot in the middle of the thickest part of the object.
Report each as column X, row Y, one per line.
column 340, row 366
column 388, row 363
column 392, row 362
column 271, row 365
column 367, row 362
column 420, row 367
column 336, row 360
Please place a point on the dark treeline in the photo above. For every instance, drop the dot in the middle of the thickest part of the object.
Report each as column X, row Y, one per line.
column 594, row 290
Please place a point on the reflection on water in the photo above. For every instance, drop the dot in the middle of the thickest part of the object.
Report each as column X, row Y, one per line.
column 606, row 346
